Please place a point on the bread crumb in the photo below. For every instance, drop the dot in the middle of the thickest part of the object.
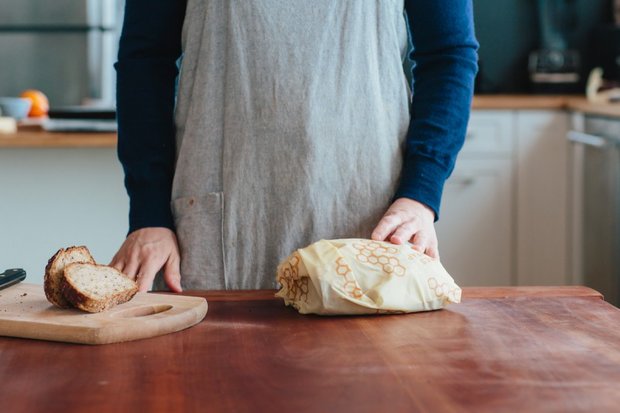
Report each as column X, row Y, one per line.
column 24, row 294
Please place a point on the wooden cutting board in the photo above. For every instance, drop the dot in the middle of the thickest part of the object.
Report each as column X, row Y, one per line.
column 25, row 312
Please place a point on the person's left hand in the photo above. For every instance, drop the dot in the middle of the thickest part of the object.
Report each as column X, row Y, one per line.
column 409, row 220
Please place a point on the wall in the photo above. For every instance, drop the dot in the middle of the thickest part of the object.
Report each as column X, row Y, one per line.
column 508, row 30
column 53, row 198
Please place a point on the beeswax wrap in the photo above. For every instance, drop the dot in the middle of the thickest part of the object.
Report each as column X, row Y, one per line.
column 359, row 276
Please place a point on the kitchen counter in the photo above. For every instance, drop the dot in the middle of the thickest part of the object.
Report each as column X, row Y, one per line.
column 33, row 138
column 576, row 103
column 521, row 102
column 28, row 137
column 511, row 349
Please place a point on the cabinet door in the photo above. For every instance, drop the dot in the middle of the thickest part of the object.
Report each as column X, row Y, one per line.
column 542, row 233
column 474, row 229
column 489, row 134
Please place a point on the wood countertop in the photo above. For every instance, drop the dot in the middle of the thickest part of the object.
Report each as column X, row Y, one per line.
column 32, row 138
column 537, row 349
column 521, row 102
column 574, row 103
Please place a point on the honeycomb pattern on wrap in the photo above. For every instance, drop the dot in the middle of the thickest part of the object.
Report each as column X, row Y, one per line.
column 378, row 255
column 349, row 284
column 441, row 290
column 295, row 283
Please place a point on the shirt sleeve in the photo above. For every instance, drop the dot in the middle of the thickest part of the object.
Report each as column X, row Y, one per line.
column 445, row 59
column 150, row 45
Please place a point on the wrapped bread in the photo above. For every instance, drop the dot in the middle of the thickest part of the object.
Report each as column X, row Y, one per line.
column 359, row 276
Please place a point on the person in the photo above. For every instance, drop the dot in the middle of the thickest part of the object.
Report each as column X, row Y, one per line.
column 291, row 121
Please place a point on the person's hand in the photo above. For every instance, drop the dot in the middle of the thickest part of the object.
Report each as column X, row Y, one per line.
column 409, row 220
column 146, row 251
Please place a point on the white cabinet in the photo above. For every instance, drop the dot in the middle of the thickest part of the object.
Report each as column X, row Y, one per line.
column 542, row 197
column 475, row 229
column 504, row 217
column 490, row 132
column 475, row 226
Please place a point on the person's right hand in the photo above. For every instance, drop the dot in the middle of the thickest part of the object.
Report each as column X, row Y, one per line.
column 146, row 251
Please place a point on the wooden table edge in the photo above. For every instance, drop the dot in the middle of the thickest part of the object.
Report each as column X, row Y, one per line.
column 531, row 291
column 468, row 293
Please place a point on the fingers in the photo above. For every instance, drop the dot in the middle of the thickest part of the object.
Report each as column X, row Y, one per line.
column 404, row 233
column 433, row 252
column 144, row 252
column 422, row 240
column 425, row 244
column 146, row 275
column 172, row 274
column 117, row 262
column 419, row 242
column 409, row 221
column 131, row 268
column 386, row 226
column 128, row 265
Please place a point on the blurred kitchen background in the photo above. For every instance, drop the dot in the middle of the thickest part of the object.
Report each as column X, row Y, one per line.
column 65, row 48
column 533, row 199
column 510, row 31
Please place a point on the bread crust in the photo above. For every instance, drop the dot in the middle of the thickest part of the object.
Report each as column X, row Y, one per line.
column 53, row 295
column 92, row 305
column 52, row 280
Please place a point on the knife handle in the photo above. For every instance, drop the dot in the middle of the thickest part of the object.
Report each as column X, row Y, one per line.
column 11, row 277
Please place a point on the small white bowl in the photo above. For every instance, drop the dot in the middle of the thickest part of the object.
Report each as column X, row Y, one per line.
column 17, row 108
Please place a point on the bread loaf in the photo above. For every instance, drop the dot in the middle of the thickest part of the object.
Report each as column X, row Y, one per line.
column 54, row 272
column 95, row 288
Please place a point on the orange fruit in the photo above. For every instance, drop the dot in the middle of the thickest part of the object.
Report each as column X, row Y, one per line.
column 40, row 104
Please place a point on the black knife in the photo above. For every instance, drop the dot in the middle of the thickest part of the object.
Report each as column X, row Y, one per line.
column 11, row 277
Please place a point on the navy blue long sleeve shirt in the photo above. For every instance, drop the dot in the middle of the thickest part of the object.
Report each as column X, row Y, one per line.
column 445, row 64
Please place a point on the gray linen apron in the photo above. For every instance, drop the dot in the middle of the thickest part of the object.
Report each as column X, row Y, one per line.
column 291, row 116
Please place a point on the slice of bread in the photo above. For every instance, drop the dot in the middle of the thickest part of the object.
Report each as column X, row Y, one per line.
column 95, row 288
column 54, row 272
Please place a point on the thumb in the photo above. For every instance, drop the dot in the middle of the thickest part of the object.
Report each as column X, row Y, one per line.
column 172, row 274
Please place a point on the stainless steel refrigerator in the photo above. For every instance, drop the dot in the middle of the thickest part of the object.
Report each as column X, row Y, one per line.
column 65, row 48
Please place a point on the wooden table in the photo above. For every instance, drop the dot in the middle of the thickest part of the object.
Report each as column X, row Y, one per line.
column 500, row 350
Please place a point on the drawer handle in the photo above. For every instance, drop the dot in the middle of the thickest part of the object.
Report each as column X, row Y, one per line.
column 586, row 139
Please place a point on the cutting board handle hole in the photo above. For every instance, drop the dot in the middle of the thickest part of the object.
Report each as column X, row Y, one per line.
column 143, row 311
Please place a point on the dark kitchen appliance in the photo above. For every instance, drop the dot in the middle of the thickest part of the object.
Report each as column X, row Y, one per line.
column 555, row 66
column 606, row 42
column 65, row 48
column 596, row 167
column 607, row 51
